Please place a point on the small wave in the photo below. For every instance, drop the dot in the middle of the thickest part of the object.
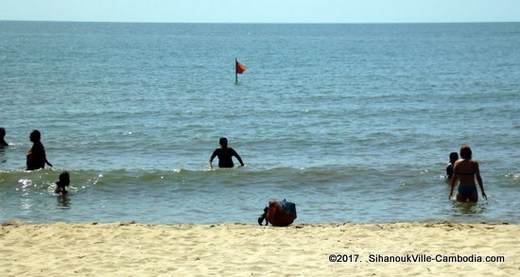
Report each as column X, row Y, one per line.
column 352, row 176
column 122, row 176
column 514, row 176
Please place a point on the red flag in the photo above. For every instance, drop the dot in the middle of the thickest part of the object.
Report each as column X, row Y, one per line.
column 239, row 68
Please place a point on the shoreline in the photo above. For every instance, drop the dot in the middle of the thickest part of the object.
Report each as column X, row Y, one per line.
column 134, row 249
column 18, row 222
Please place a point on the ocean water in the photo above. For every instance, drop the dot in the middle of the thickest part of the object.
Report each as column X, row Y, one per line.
column 352, row 122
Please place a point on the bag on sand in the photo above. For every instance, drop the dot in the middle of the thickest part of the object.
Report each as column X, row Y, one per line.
column 278, row 213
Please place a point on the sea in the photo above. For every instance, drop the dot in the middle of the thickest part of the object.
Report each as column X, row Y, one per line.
column 352, row 122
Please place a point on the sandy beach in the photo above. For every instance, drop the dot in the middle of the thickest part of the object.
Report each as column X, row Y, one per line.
column 133, row 249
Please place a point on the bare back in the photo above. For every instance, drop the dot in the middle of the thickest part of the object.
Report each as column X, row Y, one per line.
column 466, row 171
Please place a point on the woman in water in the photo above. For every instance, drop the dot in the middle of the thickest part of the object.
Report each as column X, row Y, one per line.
column 36, row 157
column 466, row 171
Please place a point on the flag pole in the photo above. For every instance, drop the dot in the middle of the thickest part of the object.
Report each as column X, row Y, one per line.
column 236, row 74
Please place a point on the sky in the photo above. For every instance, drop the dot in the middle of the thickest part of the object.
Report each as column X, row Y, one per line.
column 263, row 11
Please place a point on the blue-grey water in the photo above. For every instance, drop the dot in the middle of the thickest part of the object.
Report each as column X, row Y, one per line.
column 353, row 123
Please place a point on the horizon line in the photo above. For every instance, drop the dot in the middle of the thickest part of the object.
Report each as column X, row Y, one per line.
column 295, row 22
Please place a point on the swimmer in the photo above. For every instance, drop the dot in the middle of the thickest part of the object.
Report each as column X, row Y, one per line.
column 454, row 156
column 64, row 181
column 466, row 171
column 225, row 155
column 3, row 143
column 36, row 157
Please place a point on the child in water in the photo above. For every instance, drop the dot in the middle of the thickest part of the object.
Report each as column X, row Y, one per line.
column 454, row 156
column 36, row 157
column 225, row 155
column 64, row 181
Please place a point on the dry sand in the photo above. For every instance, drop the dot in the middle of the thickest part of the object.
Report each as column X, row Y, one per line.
column 247, row 250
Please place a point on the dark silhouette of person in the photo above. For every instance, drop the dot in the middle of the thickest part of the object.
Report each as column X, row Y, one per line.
column 3, row 143
column 454, row 156
column 64, row 181
column 225, row 155
column 36, row 157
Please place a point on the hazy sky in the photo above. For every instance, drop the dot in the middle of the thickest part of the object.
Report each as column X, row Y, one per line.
column 262, row 10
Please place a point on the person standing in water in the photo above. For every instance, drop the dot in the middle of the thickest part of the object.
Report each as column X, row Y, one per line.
column 3, row 143
column 225, row 155
column 466, row 171
column 36, row 157
column 454, row 156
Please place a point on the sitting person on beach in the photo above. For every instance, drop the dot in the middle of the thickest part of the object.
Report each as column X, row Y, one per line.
column 3, row 143
column 279, row 213
column 64, row 181
column 454, row 156
column 36, row 157
column 466, row 171
column 225, row 155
